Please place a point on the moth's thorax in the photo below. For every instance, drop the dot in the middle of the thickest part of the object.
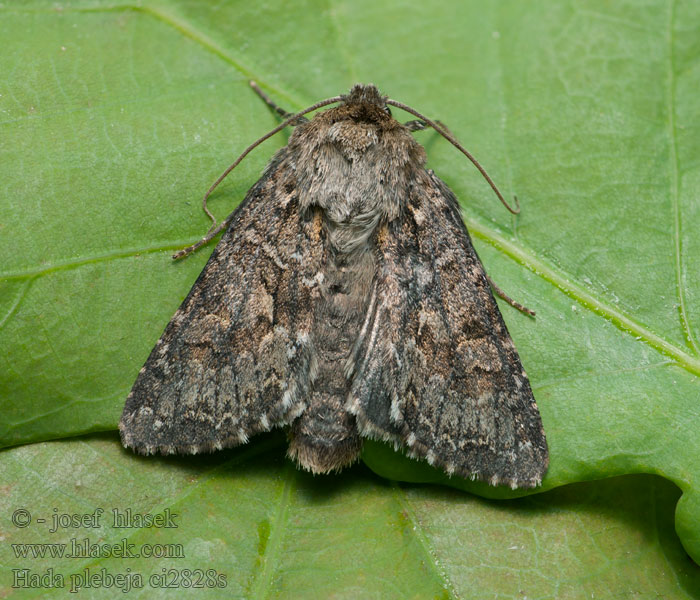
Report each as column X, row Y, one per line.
column 357, row 163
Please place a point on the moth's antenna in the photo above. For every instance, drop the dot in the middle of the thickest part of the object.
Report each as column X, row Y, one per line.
column 448, row 136
column 215, row 229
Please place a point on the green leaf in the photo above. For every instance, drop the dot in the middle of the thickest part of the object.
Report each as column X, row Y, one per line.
column 114, row 118
column 273, row 531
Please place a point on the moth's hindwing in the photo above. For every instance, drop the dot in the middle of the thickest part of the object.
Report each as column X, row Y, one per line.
column 435, row 369
column 235, row 358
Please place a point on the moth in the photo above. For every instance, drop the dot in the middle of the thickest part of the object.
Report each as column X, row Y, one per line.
column 344, row 301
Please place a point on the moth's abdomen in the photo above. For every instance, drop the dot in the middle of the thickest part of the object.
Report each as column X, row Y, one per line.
column 325, row 437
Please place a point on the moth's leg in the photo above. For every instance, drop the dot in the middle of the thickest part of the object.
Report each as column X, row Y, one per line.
column 501, row 294
column 278, row 109
column 418, row 125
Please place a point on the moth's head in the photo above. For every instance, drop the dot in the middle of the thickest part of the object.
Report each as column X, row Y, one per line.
column 366, row 103
column 369, row 94
column 360, row 122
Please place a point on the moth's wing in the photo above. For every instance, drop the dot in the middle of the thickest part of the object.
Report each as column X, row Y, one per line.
column 434, row 368
column 235, row 358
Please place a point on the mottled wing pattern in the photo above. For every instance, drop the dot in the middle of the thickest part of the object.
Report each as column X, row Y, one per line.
column 434, row 368
column 235, row 358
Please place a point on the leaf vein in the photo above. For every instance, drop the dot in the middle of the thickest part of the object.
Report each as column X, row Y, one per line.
column 423, row 541
column 675, row 187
